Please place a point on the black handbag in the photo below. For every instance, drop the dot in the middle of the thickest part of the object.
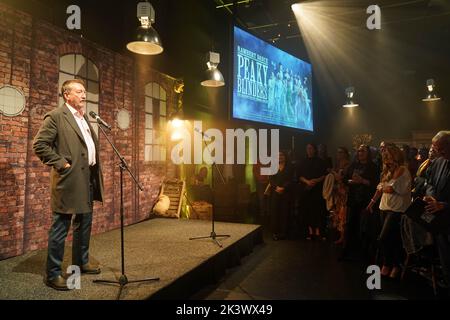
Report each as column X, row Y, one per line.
column 434, row 223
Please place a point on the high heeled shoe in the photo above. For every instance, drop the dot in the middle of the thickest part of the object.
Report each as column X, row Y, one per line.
column 385, row 271
column 394, row 273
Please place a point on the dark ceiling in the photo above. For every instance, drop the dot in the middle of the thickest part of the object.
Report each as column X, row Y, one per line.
column 414, row 45
column 112, row 23
column 274, row 21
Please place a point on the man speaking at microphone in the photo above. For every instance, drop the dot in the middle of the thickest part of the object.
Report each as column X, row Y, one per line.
column 67, row 143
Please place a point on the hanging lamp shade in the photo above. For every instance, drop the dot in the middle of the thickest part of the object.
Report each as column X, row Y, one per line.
column 431, row 94
column 146, row 40
column 349, row 103
column 213, row 77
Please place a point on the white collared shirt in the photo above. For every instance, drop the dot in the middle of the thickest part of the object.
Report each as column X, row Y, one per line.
column 87, row 135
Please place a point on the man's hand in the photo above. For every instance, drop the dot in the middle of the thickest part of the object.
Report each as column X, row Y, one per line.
column 67, row 165
column 433, row 205
column 311, row 183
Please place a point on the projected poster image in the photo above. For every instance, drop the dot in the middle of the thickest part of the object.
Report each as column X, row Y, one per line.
column 270, row 85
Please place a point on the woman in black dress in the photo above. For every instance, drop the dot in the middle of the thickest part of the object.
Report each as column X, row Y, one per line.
column 312, row 172
column 279, row 186
column 362, row 179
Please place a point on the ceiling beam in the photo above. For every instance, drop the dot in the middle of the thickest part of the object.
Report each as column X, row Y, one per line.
column 225, row 5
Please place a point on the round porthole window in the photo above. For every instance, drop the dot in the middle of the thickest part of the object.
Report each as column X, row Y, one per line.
column 12, row 101
column 123, row 119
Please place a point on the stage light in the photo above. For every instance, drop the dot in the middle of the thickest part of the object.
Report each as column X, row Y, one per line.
column 176, row 123
column 146, row 40
column 176, row 135
column 176, row 127
column 213, row 76
column 431, row 95
column 350, row 92
column 297, row 9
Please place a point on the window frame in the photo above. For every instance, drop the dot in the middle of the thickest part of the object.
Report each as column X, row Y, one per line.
column 154, row 110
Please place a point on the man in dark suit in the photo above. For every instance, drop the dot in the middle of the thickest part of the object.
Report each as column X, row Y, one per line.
column 438, row 196
column 67, row 143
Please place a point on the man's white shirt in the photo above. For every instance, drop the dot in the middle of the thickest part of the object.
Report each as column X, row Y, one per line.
column 86, row 132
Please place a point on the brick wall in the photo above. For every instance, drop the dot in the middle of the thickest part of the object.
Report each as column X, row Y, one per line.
column 29, row 60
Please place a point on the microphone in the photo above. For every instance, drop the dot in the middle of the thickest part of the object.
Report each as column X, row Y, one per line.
column 202, row 133
column 99, row 120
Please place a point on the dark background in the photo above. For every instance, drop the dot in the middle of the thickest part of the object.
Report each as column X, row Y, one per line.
column 388, row 67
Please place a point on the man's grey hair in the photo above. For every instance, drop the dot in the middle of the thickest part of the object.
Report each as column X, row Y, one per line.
column 67, row 86
column 443, row 136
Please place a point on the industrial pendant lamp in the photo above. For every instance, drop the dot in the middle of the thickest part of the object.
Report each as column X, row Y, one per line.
column 146, row 40
column 431, row 94
column 213, row 77
column 350, row 92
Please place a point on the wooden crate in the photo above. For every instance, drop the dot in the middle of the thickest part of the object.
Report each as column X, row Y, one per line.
column 201, row 210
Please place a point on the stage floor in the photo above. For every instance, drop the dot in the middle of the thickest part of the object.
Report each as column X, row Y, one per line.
column 153, row 248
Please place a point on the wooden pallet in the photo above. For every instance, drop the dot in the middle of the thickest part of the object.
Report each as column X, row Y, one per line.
column 174, row 189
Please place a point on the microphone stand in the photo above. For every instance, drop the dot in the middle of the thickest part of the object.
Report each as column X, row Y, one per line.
column 123, row 280
column 213, row 234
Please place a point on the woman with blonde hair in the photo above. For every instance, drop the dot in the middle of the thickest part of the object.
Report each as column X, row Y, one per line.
column 395, row 192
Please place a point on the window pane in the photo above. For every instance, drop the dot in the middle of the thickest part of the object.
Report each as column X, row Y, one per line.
column 157, row 137
column 163, row 154
column 92, row 71
column 148, row 105
column 92, row 91
column 162, row 108
column 162, row 123
column 148, row 89
column 148, row 153
column 67, row 63
column 155, row 90
column 148, row 136
column 148, row 121
column 80, row 66
column 156, row 153
column 162, row 94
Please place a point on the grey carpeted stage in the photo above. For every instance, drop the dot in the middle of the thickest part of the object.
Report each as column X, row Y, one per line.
column 153, row 248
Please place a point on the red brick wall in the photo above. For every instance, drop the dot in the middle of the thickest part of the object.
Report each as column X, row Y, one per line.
column 29, row 60
column 15, row 54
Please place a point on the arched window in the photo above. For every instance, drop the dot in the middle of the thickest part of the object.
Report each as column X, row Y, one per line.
column 155, row 123
column 77, row 66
